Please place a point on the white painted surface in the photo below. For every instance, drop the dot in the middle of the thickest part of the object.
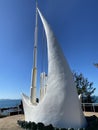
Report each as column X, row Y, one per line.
column 43, row 84
column 60, row 106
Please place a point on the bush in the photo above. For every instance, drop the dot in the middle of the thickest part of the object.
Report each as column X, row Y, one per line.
column 48, row 127
column 33, row 126
column 40, row 126
column 92, row 125
column 56, row 128
column 63, row 129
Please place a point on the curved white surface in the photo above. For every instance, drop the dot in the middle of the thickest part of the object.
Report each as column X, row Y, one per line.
column 60, row 106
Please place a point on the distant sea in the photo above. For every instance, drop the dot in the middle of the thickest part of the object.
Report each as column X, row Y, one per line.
column 5, row 103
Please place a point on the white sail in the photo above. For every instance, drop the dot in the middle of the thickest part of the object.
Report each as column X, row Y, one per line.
column 60, row 105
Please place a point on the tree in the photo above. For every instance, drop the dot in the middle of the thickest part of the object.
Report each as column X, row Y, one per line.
column 84, row 87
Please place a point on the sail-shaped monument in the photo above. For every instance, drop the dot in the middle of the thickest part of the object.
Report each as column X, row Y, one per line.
column 60, row 105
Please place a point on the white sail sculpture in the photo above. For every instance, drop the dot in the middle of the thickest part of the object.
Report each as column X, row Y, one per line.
column 60, row 105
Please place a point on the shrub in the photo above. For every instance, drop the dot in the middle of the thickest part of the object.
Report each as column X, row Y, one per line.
column 92, row 125
column 40, row 126
column 49, row 127
column 56, row 128
column 33, row 126
column 63, row 129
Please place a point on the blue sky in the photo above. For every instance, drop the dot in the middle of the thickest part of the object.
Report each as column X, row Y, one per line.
column 75, row 24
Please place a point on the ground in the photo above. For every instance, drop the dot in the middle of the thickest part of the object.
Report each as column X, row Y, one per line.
column 10, row 122
column 91, row 113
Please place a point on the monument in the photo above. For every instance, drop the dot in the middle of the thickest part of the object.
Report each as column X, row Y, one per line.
column 60, row 106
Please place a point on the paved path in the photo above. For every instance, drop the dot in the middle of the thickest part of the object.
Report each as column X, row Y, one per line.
column 10, row 123
column 91, row 113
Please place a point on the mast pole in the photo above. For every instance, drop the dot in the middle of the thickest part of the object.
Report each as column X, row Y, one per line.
column 34, row 69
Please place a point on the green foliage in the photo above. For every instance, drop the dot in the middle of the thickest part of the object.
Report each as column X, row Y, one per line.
column 33, row 126
column 40, row 126
column 48, row 127
column 84, row 87
column 27, row 125
column 63, row 129
column 92, row 125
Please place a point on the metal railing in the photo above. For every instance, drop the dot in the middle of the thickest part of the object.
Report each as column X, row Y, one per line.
column 92, row 106
column 10, row 111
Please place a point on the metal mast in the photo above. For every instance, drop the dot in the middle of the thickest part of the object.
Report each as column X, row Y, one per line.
column 34, row 69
